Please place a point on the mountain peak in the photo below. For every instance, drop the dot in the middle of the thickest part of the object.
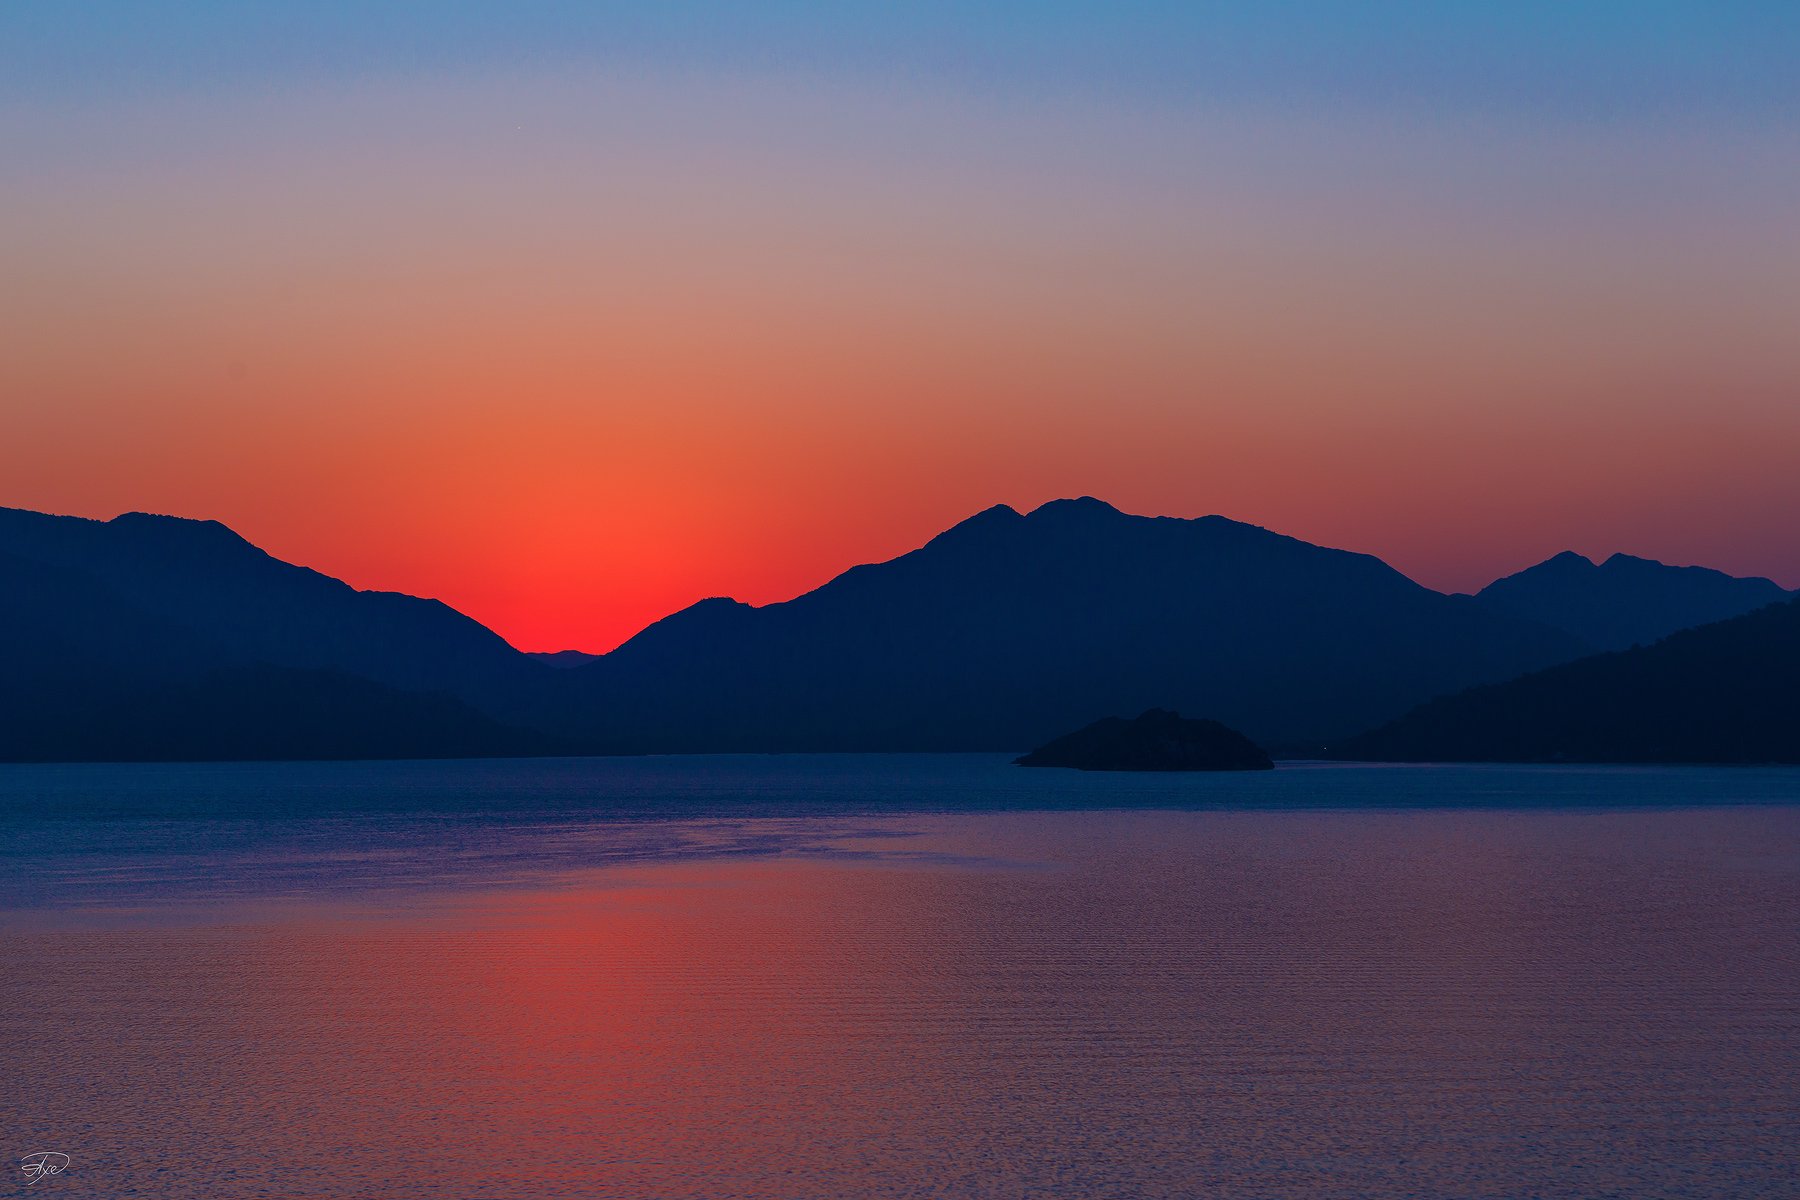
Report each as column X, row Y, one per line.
column 999, row 516
column 1078, row 506
column 1626, row 599
column 197, row 531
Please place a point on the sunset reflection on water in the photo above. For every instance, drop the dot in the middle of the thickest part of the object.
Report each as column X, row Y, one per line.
column 1002, row 1004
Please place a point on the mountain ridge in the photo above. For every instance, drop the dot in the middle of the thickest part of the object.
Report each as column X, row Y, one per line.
column 203, row 576
column 1728, row 692
column 1625, row 600
column 996, row 633
column 1048, row 616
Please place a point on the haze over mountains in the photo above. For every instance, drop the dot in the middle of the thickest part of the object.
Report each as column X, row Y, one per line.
column 157, row 637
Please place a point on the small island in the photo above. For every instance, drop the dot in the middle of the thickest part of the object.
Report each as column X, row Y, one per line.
column 1158, row 740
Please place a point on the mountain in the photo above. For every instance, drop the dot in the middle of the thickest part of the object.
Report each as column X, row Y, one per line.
column 1010, row 628
column 1723, row 693
column 1625, row 601
column 152, row 637
column 156, row 636
column 258, row 713
column 215, row 590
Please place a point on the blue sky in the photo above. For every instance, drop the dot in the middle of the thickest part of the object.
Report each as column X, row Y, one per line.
column 1570, row 59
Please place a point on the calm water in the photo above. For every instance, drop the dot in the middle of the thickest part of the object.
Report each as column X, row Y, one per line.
column 900, row 976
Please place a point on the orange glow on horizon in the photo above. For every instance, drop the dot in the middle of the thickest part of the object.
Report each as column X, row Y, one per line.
column 735, row 351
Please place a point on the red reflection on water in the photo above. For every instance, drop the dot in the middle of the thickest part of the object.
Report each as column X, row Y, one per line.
column 1135, row 1004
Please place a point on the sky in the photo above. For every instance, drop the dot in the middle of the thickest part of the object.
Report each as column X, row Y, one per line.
column 571, row 314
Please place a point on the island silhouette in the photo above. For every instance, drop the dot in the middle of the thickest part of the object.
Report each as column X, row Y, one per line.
column 1157, row 740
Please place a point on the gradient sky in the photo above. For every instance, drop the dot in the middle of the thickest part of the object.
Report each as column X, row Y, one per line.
column 571, row 314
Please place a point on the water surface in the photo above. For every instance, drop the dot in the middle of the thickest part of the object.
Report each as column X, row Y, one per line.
column 901, row 976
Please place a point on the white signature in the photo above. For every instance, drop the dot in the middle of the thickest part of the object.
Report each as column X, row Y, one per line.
column 44, row 1162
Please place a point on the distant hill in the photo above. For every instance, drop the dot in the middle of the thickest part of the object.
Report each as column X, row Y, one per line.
column 211, row 587
column 1010, row 628
column 1722, row 693
column 1625, row 601
column 154, row 638
column 259, row 713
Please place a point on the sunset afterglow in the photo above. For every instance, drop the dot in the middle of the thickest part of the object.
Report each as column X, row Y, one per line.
column 570, row 322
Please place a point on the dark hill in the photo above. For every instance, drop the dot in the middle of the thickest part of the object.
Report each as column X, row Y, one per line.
column 261, row 712
column 204, row 581
column 1723, row 693
column 149, row 638
column 1156, row 741
column 1625, row 601
column 1009, row 628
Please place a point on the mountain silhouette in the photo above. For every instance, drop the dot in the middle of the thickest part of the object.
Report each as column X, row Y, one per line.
column 1625, row 601
column 157, row 638
column 153, row 636
column 1723, row 693
column 260, row 713
column 213, row 588
column 1010, row 628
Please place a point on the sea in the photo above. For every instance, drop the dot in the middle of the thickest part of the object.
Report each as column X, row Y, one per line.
column 798, row 977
